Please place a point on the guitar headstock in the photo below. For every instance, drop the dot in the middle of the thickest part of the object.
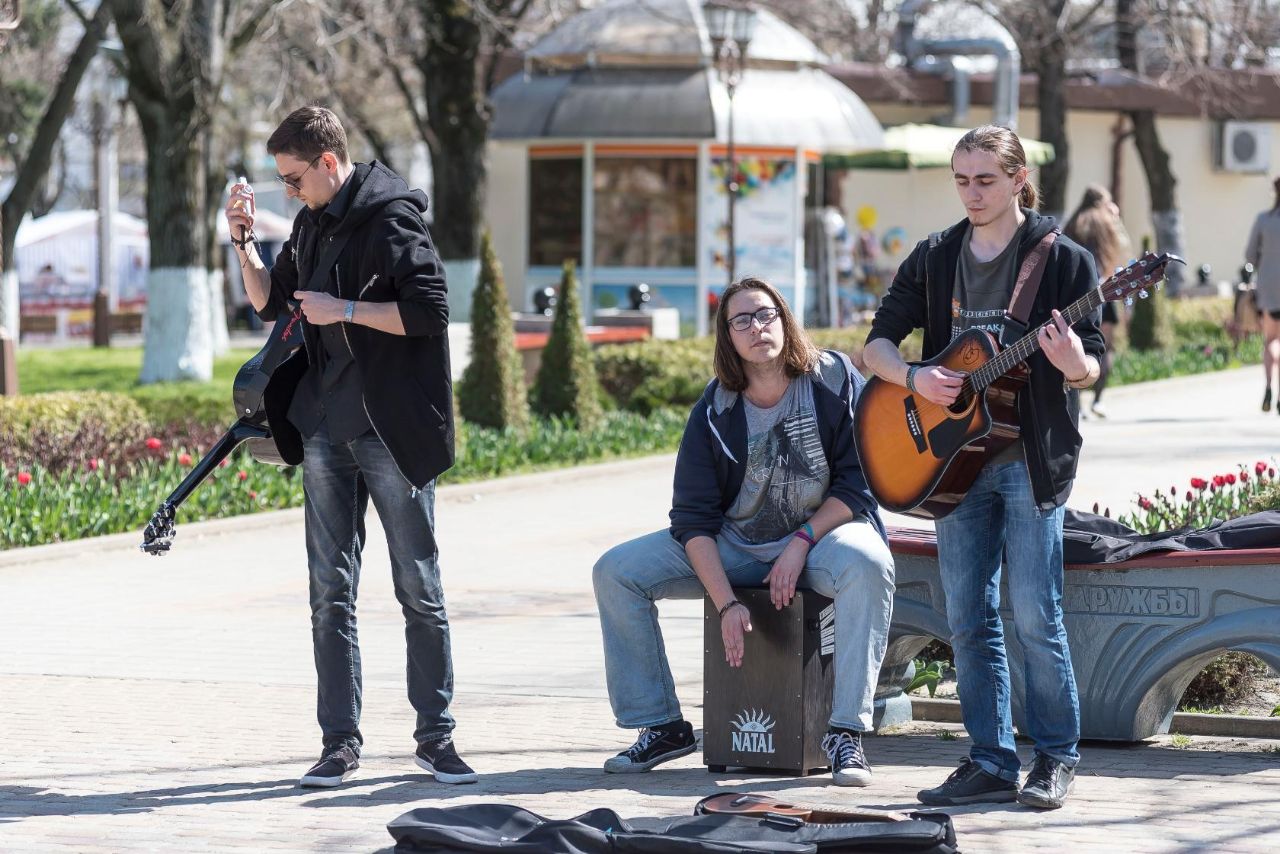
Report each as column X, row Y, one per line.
column 158, row 536
column 1141, row 277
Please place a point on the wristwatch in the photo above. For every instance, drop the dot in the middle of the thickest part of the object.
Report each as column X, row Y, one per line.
column 350, row 311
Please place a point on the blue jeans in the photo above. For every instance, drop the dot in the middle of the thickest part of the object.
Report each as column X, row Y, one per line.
column 851, row 565
column 999, row 515
column 338, row 481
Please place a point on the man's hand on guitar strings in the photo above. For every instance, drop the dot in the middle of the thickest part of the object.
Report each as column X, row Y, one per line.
column 938, row 384
column 1063, row 348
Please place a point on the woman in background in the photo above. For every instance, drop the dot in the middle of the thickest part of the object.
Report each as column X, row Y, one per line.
column 1097, row 227
column 1263, row 252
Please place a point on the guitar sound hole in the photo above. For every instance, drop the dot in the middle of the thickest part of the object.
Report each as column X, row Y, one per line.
column 961, row 404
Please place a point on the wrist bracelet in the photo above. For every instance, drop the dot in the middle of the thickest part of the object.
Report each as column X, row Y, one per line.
column 727, row 606
column 807, row 538
column 350, row 311
column 911, row 378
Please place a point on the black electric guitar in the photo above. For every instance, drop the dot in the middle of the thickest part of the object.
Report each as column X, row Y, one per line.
column 920, row 457
column 262, row 390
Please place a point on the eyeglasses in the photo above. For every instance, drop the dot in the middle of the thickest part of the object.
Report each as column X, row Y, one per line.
column 296, row 183
column 763, row 316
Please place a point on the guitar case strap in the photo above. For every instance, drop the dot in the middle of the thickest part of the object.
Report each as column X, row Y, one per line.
column 1025, row 288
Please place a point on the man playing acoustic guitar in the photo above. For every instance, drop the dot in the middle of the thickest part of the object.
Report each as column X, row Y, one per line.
column 960, row 279
column 373, row 405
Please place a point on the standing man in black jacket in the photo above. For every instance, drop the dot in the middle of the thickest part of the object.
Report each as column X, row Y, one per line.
column 371, row 417
column 958, row 280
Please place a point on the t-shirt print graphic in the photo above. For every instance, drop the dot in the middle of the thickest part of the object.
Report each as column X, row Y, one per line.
column 790, row 486
column 988, row 319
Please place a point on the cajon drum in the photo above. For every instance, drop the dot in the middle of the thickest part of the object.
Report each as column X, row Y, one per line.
column 770, row 714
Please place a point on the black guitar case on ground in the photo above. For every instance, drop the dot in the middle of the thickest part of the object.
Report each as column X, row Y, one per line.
column 1090, row 538
column 506, row 828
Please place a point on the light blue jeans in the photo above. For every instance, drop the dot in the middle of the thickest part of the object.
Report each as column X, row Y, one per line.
column 851, row 565
column 998, row 516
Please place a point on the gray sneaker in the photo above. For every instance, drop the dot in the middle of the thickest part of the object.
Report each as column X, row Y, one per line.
column 441, row 758
column 1048, row 784
column 969, row 784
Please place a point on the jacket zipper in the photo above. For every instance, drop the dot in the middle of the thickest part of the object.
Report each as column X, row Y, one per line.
column 367, row 285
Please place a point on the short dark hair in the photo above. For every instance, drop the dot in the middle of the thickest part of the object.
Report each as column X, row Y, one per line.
column 799, row 355
column 309, row 132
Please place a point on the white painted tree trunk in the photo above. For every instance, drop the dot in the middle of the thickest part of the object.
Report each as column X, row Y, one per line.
column 219, row 338
column 177, row 344
column 1169, row 234
column 10, row 310
column 461, row 277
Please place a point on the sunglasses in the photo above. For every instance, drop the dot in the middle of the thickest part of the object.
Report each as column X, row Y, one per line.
column 763, row 316
column 296, row 183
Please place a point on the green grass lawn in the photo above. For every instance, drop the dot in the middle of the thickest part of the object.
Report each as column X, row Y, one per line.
column 107, row 369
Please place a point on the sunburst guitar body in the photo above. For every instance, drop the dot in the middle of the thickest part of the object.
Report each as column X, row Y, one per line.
column 920, row 457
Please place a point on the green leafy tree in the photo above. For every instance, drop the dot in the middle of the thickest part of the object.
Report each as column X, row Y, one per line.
column 566, row 383
column 493, row 393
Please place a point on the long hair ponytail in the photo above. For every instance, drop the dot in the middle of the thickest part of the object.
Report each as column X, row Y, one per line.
column 1007, row 148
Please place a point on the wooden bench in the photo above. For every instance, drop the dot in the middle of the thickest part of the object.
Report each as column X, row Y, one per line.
column 1139, row 630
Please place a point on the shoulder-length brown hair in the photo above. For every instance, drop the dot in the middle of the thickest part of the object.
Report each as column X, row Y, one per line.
column 798, row 356
column 1098, row 230
column 1007, row 148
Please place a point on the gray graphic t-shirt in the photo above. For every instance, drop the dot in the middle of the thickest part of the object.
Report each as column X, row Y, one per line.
column 981, row 297
column 786, row 477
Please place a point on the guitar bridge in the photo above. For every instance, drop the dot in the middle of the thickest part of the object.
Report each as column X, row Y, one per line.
column 913, row 424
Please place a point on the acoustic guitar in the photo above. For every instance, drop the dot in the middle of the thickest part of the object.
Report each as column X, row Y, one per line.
column 263, row 384
column 920, row 457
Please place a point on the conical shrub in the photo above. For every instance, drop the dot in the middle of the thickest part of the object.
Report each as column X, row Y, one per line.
column 493, row 392
column 1151, row 326
column 566, row 384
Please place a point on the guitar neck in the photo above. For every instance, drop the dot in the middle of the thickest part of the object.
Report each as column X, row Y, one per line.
column 221, row 449
column 1029, row 344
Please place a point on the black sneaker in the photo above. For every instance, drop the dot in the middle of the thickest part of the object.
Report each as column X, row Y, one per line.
column 653, row 747
column 1047, row 784
column 336, row 766
column 849, row 766
column 441, row 758
column 969, row 784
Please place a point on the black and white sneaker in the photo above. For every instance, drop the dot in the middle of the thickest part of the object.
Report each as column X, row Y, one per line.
column 652, row 748
column 970, row 784
column 1048, row 784
column 849, row 766
column 336, row 766
column 441, row 758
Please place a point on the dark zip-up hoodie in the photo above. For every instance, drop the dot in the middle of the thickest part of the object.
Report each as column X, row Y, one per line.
column 920, row 297
column 383, row 254
column 712, row 459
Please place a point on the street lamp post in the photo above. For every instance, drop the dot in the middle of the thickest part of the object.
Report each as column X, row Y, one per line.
column 730, row 28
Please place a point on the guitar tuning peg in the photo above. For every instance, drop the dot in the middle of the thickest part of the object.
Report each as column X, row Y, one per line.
column 1128, row 301
column 1118, row 270
column 1133, row 261
column 1143, row 293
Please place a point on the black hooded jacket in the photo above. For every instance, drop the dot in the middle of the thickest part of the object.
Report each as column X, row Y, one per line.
column 920, row 297
column 383, row 254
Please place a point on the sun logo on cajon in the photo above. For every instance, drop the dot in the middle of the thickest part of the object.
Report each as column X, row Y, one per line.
column 753, row 731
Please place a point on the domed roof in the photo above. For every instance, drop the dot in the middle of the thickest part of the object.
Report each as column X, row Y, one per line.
column 660, row 33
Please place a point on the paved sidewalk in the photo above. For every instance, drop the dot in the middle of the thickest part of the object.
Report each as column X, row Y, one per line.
column 168, row 704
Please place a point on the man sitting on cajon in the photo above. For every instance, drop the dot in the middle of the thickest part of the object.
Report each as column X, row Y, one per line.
column 768, row 489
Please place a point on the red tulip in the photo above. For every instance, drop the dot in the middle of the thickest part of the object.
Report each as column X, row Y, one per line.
column 223, row 464
column 1190, row 497
column 1144, row 503
column 1244, row 476
column 24, row 477
column 153, row 443
column 184, row 459
column 253, row 496
column 1219, row 480
column 1271, row 472
column 1198, row 483
column 1231, row 479
column 1259, row 467
column 93, row 464
column 243, row 475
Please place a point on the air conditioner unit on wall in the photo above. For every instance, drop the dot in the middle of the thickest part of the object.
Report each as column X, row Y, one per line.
column 1244, row 147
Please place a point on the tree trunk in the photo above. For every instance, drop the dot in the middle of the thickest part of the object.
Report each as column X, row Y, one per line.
column 36, row 164
column 458, row 113
column 1161, row 183
column 169, row 88
column 1052, row 62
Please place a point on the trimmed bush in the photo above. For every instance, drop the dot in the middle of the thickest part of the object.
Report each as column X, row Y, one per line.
column 61, row 430
column 492, row 393
column 653, row 374
column 566, row 384
column 1151, row 326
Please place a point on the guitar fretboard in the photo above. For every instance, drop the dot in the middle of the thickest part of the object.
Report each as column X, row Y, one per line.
column 1029, row 344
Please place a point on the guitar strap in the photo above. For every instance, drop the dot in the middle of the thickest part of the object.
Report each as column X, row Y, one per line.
column 1025, row 288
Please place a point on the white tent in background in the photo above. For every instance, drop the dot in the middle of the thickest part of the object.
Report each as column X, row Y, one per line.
column 57, row 259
